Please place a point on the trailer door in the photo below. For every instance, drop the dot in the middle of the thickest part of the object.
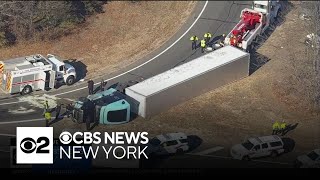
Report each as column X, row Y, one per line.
column 52, row 78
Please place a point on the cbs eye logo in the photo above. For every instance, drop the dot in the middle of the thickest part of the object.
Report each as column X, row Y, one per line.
column 29, row 145
column 65, row 137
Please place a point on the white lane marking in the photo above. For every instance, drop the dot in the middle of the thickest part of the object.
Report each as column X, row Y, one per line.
column 72, row 100
column 20, row 110
column 21, row 121
column 10, row 135
column 208, row 151
column 204, row 7
column 67, row 92
column 227, row 157
column 9, row 103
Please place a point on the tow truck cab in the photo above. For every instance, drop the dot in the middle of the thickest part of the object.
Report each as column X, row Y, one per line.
column 269, row 8
column 107, row 107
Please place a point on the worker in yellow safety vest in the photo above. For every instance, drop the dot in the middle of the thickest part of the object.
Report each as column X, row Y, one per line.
column 283, row 127
column 47, row 116
column 194, row 40
column 275, row 128
column 203, row 45
column 207, row 36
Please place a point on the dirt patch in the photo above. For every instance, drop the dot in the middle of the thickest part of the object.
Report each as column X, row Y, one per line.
column 124, row 33
column 246, row 108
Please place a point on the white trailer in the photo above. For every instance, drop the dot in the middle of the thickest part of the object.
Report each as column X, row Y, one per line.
column 188, row 80
column 25, row 74
column 253, row 22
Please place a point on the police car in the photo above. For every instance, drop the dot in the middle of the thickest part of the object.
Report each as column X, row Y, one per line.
column 259, row 147
column 166, row 144
column 310, row 160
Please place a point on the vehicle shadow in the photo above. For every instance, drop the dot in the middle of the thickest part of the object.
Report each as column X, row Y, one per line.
column 81, row 68
column 257, row 60
column 194, row 142
column 288, row 144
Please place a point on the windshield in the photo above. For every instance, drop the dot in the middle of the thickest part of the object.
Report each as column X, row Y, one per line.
column 117, row 116
column 313, row 155
column 155, row 141
column 248, row 145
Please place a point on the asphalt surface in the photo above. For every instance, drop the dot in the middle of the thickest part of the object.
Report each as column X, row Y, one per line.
column 218, row 17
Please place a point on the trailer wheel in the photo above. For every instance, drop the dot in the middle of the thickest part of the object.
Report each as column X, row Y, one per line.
column 249, row 48
column 70, row 80
column 26, row 90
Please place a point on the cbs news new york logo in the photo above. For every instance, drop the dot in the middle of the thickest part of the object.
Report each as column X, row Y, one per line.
column 34, row 145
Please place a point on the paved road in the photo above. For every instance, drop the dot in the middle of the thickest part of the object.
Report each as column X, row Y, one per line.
column 217, row 17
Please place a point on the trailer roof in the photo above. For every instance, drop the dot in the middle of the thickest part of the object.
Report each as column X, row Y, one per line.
column 188, row 70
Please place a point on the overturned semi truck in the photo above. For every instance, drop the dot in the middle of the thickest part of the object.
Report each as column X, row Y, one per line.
column 161, row 92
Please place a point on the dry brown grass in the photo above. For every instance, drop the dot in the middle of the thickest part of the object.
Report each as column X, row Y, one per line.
column 246, row 108
column 109, row 41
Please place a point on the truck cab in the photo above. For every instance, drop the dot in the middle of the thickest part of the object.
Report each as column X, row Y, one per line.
column 270, row 9
column 107, row 107
column 64, row 72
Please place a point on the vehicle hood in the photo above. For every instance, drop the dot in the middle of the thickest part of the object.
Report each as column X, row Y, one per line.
column 304, row 159
column 68, row 66
column 239, row 149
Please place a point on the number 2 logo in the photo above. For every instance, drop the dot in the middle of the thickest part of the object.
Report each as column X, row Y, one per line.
column 29, row 145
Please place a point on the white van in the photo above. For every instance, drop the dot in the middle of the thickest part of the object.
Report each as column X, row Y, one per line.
column 258, row 147
column 310, row 160
column 171, row 143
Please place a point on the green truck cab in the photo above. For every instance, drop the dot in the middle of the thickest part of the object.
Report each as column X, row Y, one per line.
column 107, row 107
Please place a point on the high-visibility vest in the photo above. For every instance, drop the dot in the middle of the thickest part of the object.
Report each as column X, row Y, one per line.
column 194, row 38
column 203, row 43
column 283, row 125
column 47, row 116
column 276, row 126
column 207, row 35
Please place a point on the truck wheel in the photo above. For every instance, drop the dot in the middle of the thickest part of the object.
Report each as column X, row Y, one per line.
column 70, row 80
column 249, row 48
column 26, row 90
column 274, row 154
